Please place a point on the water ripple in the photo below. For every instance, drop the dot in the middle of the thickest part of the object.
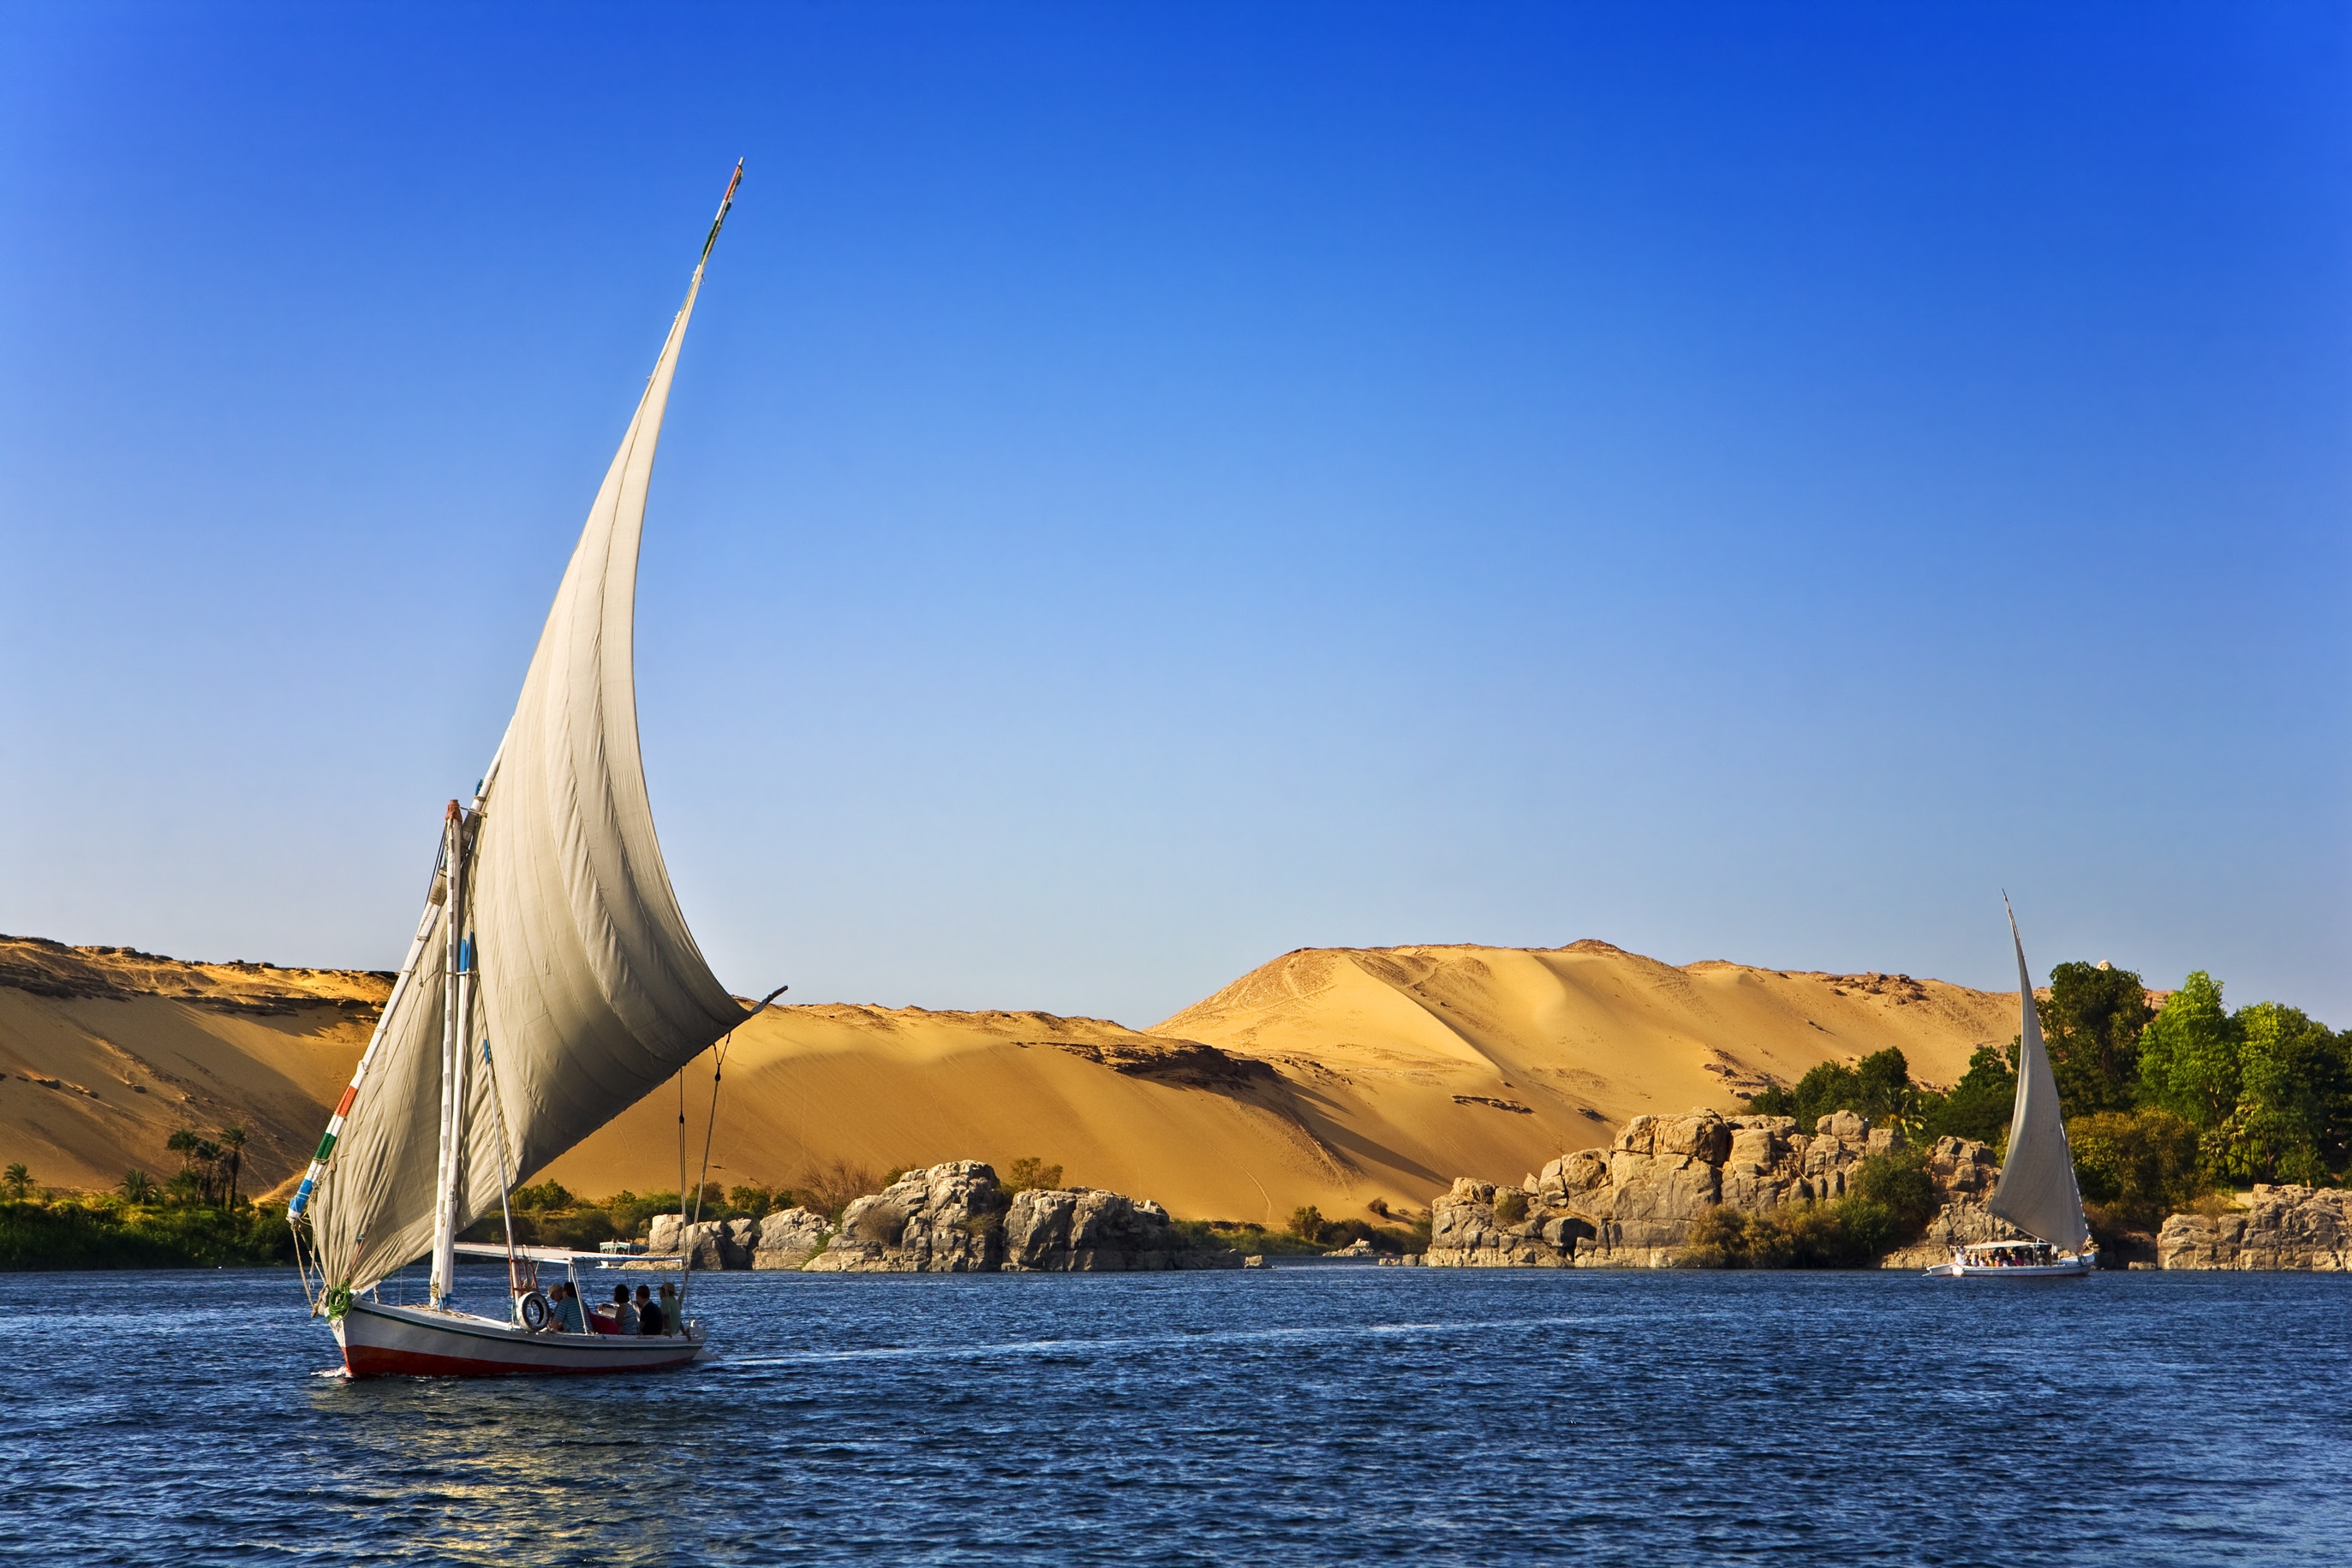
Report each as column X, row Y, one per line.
column 1292, row 1415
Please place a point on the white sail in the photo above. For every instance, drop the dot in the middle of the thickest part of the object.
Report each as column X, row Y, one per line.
column 590, row 988
column 2037, row 1192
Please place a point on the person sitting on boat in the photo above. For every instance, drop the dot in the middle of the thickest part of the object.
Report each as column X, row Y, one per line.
column 671, row 1322
column 624, row 1316
column 567, row 1309
column 649, row 1314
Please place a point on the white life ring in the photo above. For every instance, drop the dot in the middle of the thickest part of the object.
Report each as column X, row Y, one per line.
column 534, row 1311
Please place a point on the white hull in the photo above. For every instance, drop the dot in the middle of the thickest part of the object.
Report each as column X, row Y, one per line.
column 2066, row 1268
column 381, row 1340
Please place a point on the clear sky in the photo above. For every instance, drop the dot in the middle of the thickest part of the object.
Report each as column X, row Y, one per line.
column 1152, row 486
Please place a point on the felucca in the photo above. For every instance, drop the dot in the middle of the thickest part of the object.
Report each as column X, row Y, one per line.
column 2036, row 1192
column 551, row 983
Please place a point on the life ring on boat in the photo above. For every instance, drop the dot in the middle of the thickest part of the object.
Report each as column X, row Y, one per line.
column 534, row 1311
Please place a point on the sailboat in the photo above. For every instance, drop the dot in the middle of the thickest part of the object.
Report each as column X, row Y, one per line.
column 551, row 984
column 2037, row 1192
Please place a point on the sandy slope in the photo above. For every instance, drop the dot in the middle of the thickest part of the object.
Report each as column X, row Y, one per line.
column 106, row 1051
column 1328, row 1076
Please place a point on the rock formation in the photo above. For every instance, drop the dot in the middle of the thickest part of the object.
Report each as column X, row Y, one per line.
column 2286, row 1228
column 1058, row 1230
column 948, row 1220
column 1633, row 1205
column 788, row 1239
column 709, row 1243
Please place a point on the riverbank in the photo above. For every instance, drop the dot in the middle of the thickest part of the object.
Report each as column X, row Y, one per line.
column 48, row 1234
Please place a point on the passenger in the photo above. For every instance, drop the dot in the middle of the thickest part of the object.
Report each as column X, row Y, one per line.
column 671, row 1322
column 649, row 1316
column 624, row 1316
column 567, row 1310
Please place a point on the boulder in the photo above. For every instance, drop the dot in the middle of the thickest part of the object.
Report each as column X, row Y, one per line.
column 947, row 1219
column 788, row 1239
column 705, row 1243
column 1064, row 1229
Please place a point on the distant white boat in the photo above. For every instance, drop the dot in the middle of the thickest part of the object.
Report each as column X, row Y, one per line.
column 2037, row 1192
column 551, row 983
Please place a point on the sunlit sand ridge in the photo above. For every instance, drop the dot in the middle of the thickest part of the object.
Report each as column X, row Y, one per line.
column 1328, row 1076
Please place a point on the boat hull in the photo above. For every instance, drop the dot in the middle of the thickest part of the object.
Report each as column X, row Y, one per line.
column 381, row 1340
column 2065, row 1269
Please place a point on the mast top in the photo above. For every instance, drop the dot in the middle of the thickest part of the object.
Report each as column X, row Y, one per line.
column 725, row 202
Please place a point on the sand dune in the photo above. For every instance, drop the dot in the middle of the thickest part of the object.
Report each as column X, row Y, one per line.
column 106, row 1051
column 1328, row 1076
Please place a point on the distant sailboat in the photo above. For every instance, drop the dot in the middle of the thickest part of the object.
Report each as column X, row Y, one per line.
column 551, row 983
column 2037, row 1192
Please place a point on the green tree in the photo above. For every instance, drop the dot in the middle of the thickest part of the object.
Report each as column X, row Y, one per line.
column 750, row 1199
column 2091, row 1022
column 549, row 1197
column 182, row 1142
column 1030, row 1172
column 1979, row 1106
column 2295, row 1097
column 1307, row 1224
column 2138, row 1165
column 2189, row 1055
column 137, row 1185
column 18, row 1180
column 1879, row 1086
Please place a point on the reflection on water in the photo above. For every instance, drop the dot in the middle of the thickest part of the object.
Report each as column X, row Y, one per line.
column 1279, row 1416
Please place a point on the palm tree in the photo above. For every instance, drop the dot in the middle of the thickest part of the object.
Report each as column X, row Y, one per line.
column 182, row 1144
column 208, row 1156
column 232, row 1138
column 19, row 1181
column 136, row 1186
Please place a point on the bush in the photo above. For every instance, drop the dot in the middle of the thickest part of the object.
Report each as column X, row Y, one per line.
column 1029, row 1174
column 829, row 1189
column 1307, row 1224
column 2139, row 1165
column 1892, row 1201
column 1510, row 1207
column 1898, row 1183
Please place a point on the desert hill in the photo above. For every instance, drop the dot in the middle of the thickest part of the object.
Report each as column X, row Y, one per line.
column 106, row 1051
column 1329, row 1076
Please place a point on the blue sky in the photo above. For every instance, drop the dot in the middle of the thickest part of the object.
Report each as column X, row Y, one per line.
column 1154, row 486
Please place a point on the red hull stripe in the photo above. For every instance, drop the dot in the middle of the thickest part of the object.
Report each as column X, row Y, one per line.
column 370, row 1361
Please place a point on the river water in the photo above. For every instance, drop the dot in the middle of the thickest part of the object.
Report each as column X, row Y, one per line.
column 1282, row 1416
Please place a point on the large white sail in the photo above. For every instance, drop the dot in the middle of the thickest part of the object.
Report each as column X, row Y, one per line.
column 2037, row 1192
column 589, row 988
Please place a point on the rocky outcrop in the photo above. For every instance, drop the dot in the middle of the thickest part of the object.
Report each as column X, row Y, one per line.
column 1059, row 1230
column 952, row 1218
column 2296, row 1227
column 707, row 1244
column 788, row 1239
column 1633, row 1203
column 948, row 1220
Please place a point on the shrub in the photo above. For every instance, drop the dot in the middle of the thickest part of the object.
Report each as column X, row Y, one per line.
column 1030, row 1173
column 829, row 1189
column 1510, row 1207
column 1307, row 1224
column 1898, row 1183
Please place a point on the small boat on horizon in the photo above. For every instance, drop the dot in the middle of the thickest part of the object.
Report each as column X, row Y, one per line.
column 2037, row 1192
column 550, row 985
